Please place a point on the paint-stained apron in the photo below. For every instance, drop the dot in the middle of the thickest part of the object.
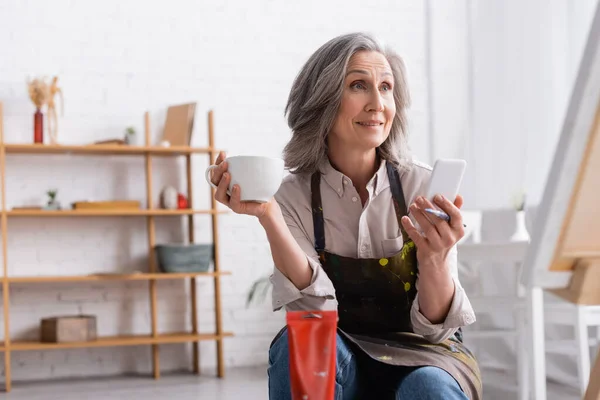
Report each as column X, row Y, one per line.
column 375, row 297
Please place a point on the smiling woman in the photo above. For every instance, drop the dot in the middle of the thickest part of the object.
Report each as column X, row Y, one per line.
column 367, row 101
column 341, row 240
column 365, row 116
column 315, row 99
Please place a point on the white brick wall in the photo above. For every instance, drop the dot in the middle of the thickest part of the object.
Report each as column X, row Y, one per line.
column 115, row 60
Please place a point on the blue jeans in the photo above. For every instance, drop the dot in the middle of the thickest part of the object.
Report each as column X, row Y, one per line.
column 364, row 378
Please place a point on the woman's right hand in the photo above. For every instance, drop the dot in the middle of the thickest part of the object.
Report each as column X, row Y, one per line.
column 221, row 178
column 287, row 255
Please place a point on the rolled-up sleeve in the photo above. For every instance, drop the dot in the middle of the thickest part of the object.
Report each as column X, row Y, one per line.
column 460, row 314
column 320, row 294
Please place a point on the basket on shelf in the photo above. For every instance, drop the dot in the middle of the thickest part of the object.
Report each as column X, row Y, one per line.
column 181, row 257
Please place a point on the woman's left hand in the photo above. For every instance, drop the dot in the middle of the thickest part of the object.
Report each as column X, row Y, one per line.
column 438, row 236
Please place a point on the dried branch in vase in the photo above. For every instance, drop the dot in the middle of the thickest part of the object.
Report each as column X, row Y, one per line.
column 39, row 92
column 53, row 90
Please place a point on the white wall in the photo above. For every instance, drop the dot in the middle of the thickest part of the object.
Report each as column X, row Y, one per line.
column 115, row 60
column 448, row 65
column 523, row 57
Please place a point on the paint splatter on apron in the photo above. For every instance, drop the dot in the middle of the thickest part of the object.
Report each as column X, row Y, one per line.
column 375, row 297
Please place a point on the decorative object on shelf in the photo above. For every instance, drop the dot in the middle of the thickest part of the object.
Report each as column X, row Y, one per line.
column 52, row 117
column 168, row 198
column 65, row 329
column 130, row 136
column 27, row 208
column 179, row 124
column 113, row 204
column 110, row 141
column 521, row 233
column 52, row 204
column 38, row 93
column 182, row 202
column 181, row 257
column 115, row 275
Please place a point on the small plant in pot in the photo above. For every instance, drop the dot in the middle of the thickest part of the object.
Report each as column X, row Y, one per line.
column 52, row 203
column 521, row 233
column 519, row 201
column 259, row 290
column 130, row 136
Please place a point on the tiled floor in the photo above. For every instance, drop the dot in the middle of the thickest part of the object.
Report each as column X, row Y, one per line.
column 242, row 383
column 499, row 387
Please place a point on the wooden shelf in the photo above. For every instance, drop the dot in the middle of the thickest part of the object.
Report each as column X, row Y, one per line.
column 153, row 338
column 108, row 149
column 107, row 212
column 113, row 277
column 114, row 341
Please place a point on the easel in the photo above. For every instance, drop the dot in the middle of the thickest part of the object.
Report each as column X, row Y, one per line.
column 564, row 254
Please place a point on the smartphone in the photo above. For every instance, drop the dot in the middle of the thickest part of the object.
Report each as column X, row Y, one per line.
column 446, row 178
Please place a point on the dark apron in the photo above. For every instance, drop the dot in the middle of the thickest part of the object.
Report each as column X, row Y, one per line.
column 375, row 297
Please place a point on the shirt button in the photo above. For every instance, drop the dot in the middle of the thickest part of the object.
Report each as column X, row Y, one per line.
column 345, row 181
column 340, row 190
column 354, row 199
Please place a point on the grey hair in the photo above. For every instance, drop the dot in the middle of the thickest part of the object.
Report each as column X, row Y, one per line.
column 315, row 98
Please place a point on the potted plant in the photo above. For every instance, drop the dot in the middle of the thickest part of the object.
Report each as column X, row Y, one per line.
column 521, row 233
column 259, row 290
column 52, row 203
column 130, row 135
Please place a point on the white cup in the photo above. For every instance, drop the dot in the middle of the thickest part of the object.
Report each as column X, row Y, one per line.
column 259, row 177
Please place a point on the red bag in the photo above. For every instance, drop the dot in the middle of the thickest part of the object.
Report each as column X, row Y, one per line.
column 312, row 350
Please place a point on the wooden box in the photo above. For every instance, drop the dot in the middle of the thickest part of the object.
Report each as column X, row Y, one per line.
column 76, row 328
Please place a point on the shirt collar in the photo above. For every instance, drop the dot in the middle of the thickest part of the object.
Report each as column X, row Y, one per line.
column 382, row 181
column 338, row 181
column 333, row 177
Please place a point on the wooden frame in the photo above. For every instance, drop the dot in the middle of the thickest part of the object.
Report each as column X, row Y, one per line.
column 564, row 255
column 154, row 338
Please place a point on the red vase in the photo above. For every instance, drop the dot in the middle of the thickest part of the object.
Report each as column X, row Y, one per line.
column 182, row 202
column 38, row 127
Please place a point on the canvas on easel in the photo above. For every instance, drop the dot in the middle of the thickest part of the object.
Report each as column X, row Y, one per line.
column 179, row 124
column 564, row 253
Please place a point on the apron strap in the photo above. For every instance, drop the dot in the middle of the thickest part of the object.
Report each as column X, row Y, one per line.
column 317, row 212
column 398, row 195
column 401, row 210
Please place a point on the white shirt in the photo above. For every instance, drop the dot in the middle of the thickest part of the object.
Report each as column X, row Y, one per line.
column 352, row 230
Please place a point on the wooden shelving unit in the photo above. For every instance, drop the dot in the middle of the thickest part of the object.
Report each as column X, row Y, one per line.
column 153, row 275
column 106, row 213
column 113, row 277
column 103, row 149
column 114, row 341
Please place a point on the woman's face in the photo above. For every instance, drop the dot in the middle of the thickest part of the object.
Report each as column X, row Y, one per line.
column 367, row 109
